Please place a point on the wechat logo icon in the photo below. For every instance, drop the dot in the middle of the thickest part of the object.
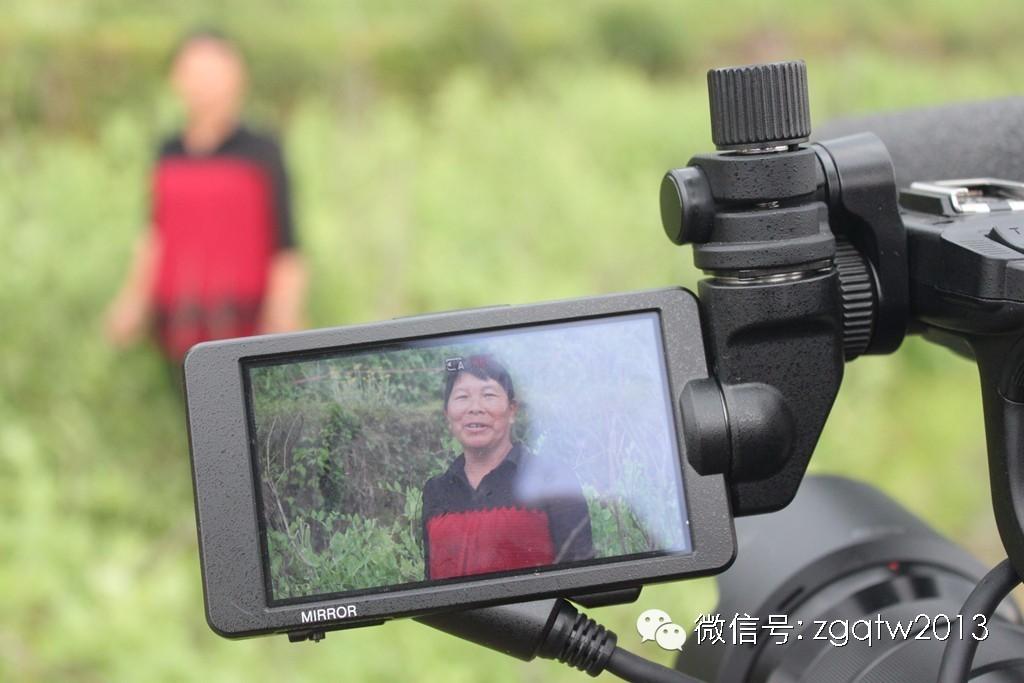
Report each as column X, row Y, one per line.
column 657, row 625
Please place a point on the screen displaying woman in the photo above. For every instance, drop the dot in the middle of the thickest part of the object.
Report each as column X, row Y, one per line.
column 497, row 508
column 503, row 451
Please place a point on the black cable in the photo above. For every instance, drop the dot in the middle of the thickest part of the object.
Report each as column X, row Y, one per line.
column 983, row 600
column 553, row 629
column 636, row 669
column 581, row 642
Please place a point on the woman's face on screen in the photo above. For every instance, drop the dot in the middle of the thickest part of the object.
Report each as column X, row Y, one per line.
column 479, row 412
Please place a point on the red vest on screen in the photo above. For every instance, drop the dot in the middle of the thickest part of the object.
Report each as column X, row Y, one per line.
column 489, row 540
column 214, row 221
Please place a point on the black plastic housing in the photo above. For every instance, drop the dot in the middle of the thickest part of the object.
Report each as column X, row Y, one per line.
column 967, row 291
column 236, row 600
column 845, row 551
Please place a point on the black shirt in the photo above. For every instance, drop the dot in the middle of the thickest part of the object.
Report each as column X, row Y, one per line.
column 525, row 512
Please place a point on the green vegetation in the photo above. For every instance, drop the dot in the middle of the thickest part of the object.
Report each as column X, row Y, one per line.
column 341, row 485
column 458, row 153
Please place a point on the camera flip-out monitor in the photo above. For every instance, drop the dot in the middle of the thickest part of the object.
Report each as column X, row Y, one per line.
column 346, row 476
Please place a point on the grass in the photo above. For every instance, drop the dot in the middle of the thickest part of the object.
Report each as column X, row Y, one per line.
column 483, row 188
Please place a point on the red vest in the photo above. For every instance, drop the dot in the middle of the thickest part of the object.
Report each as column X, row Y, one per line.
column 488, row 540
column 214, row 220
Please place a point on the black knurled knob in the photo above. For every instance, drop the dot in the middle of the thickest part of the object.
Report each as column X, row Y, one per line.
column 857, row 290
column 758, row 106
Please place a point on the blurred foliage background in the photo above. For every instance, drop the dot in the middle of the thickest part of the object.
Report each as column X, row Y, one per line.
column 444, row 154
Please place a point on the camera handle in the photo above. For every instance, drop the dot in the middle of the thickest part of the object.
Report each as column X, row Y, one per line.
column 1001, row 365
column 966, row 299
column 1000, row 360
column 747, row 212
column 553, row 629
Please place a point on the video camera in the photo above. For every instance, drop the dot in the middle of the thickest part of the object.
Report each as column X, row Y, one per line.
column 473, row 468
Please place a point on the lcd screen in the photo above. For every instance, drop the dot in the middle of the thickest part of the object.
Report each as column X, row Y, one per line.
column 494, row 453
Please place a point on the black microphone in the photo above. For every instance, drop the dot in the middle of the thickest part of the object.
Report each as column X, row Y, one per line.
column 965, row 140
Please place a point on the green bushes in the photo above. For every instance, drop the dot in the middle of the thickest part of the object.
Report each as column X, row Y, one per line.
column 68, row 70
column 360, row 552
column 334, row 507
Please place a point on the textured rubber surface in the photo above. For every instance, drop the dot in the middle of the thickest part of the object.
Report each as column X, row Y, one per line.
column 973, row 139
column 759, row 105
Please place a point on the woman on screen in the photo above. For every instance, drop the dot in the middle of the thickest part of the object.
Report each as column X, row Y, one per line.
column 495, row 508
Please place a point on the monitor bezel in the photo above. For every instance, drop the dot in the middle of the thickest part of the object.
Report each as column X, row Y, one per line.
column 236, row 593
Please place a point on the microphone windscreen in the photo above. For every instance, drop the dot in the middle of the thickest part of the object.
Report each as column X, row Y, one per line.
column 967, row 140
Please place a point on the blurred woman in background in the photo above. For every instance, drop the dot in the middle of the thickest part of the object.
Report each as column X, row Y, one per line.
column 220, row 258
